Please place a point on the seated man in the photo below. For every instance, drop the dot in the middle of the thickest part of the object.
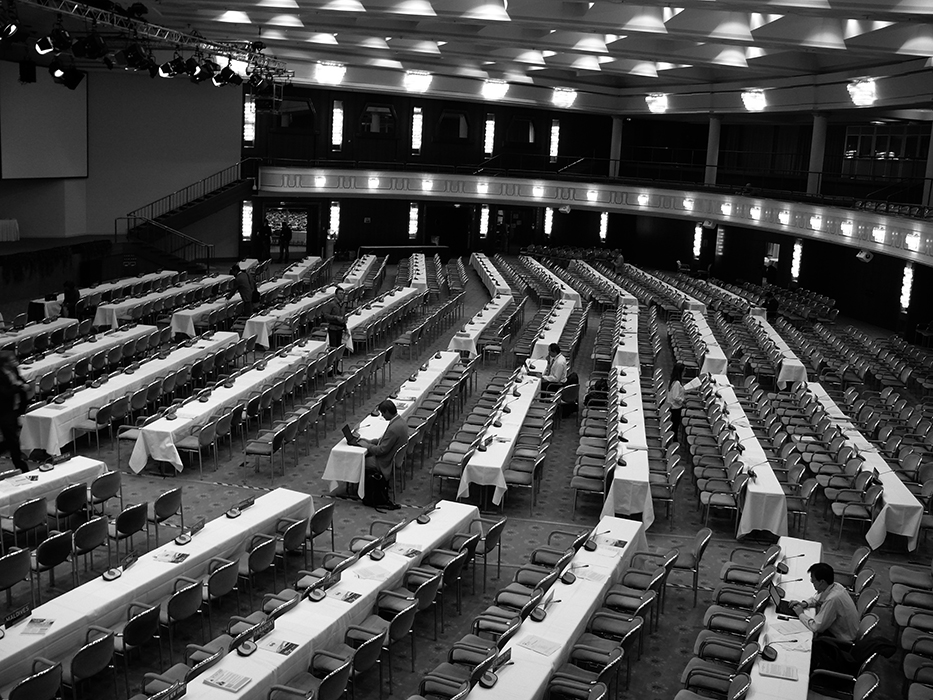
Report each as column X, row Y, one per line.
column 555, row 376
column 379, row 454
column 836, row 614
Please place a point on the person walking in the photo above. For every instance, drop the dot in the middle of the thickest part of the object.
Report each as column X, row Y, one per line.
column 676, row 394
column 285, row 240
column 14, row 396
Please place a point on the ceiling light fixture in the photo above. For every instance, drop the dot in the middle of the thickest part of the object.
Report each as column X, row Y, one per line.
column 754, row 100
column 563, row 97
column 417, row 80
column 495, row 89
column 755, row 212
column 57, row 40
column 329, row 73
column 862, row 92
column 657, row 102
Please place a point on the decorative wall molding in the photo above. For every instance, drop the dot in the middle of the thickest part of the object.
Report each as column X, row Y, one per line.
column 890, row 235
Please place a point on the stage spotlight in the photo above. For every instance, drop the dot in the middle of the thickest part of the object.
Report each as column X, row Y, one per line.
column 91, row 46
column 57, row 68
column 131, row 58
column 9, row 30
column 203, row 71
column 170, row 69
column 227, row 76
column 57, row 40
column 258, row 82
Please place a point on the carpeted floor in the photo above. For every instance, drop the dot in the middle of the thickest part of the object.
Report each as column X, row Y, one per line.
column 655, row 675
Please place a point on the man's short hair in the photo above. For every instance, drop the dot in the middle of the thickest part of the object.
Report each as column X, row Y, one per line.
column 554, row 347
column 822, row 572
column 388, row 407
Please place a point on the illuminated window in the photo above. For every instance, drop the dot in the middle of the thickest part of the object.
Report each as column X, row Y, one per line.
column 548, row 221
column 336, row 127
column 555, row 140
column 603, row 225
column 246, row 221
column 249, row 121
column 417, row 129
column 697, row 241
column 878, row 233
column 489, row 136
column 484, row 221
column 334, row 229
column 906, row 285
column 720, row 240
column 413, row 212
column 795, row 260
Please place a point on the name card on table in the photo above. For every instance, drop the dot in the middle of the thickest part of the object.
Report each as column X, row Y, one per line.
column 129, row 560
column 12, row 618
column 263, row 628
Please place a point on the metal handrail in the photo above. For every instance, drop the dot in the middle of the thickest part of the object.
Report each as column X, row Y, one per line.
column 166, row 239
column 191, row 192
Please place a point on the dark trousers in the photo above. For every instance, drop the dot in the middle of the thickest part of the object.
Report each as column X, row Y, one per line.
column 675, row 421
column 551, row 387
column 335, row 337
column 9, row 428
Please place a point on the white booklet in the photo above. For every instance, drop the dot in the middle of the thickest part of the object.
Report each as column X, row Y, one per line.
column 228, row 680
column 777, row 670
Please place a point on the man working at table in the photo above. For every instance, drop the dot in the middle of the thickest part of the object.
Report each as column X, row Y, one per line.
column 379, row 454
column 836, row 615
column 555, row 376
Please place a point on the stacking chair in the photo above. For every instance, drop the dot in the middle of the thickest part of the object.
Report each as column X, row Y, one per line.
column 321, row 522
column 222, row 579
column 183, row 603
column 28, row 517
column 88, row 537
column 259, row 557
column 291, row 537
column 167, row 504
column 202, row 437
column 133, row 519
column 15, row 567
column 52, row 551
column 141, row 625
column 393, row 624
column 325, row 679
column 69, row 502
column 95, row 657
column 44, row 684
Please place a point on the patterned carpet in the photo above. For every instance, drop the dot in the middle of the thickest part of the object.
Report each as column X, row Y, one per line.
column 657, row 673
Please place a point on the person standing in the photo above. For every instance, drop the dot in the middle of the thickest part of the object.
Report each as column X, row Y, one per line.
column 555, row 375
column 285, row 240
column 245, row 286
column 676, row 394
column 335, row 315
column 14, row 396
column 265, row 242
column 70, row 301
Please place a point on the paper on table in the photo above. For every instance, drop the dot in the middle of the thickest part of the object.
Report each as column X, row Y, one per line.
column 170, row 557
column 38, row 625
column 777, row 670
column 371, row 573
column 345, row 596
column 590, row 575
column 539, row 645
column 278, row 646
column 790, row 627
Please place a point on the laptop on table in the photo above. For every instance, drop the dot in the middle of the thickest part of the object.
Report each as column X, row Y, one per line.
column 782, row 607
column 352, row 438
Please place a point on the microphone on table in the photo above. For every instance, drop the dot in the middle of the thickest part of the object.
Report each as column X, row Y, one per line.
column 590, row 544
column 780, row 590
column 782, row 567
column 622, row 439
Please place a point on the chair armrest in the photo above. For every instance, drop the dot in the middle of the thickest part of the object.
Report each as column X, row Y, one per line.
column 149, row 677
column 216, row 563
column 393, row 594
column 183, row 580
column 833, row 676
column 102, row 631
column 745, row 549
column 290, row 691
column 328, row 654
column 191, row 648
column 720, row 641
column 258, row 539
column 282, row 524
column 135, row 605
column 44, row 661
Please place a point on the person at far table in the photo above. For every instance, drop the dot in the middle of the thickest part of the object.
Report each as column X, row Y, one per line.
column 379, row 454
column 245, row 286
column 70, row 302
column 555, row 375
column 14, row 396
column 836, row 615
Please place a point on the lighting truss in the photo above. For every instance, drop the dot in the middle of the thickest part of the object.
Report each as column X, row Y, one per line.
column 269, row 65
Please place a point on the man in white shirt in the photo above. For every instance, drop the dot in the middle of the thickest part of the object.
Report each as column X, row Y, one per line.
column 555, row 376
column 836, row 614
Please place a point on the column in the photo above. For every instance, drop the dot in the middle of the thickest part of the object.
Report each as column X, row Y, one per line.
column 615, row 147
column 712, row 150
column 817, row 150
column 928, row 175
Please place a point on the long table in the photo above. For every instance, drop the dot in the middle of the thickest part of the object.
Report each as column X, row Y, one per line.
column 44, row 308
column 552, row 280
column 685, row 300
column 714, row 359
column 346, row 462
column 765, row 504
column 315, row 626
column 157, row 439
column 375, row 309
column 183, row 319
column 149, row 580
column 303, row 268
column 113, row 313
column 487, row 467
column 792, row 368
column 465, row 339
column 261, row 325
column 553, row 328
column 39, row 484
column 901, row 512
column 490, row 276
column 358, row 271
column 598, row 279
column 800, row 555
column 630, row 490
column 626, row 337
column 539, row 649
column 419, row 272
column 33, row 329
column 86, row 348
column 50, row 427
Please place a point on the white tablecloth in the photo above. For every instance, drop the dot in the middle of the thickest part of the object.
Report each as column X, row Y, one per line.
column 157, row 440
column 302, row 268
column 901, row 512
column 34, row 329
column 358, row 271
column 714, row 360
column 38, row 484
column 51, row 309
column 792, row 368
column 419, row 272
column 112, row 314
column 100, row 602
column 765, row 504
column 487, row 467
column 688, row 302
column 626, row 332
column 557, row 320
column 528, row 676
column 315, row 626
column 346, row 462
column 491, row 277
column 630, row 491
column 261, row 325
column 552, row 280
column 183, row 320
column 465, row 339
column 378, row 308
column 86, row 348
column 795, row 654
column 50, row 427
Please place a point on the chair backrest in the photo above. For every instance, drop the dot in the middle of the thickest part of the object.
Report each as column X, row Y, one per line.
column 739, row 686
column 426, row 591
column 261, row 556
column 167, row 504
column 43, row 685
column 141, row 627
column 185, row 601
column 71, row 499
column 322, row 520
column 368, row 653
column 55, row 549
column 14, row 567
column 334, row 684
column 91, row 534
column 293, row 536
column 223, row 579
column 92, row 658
column 30, row 515
column 402, row 621
column 105, row 486
column 867, row 600
column 700, row 542
column 132, row 519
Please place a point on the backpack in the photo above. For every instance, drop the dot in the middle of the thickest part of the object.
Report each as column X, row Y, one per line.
column 377, row 491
